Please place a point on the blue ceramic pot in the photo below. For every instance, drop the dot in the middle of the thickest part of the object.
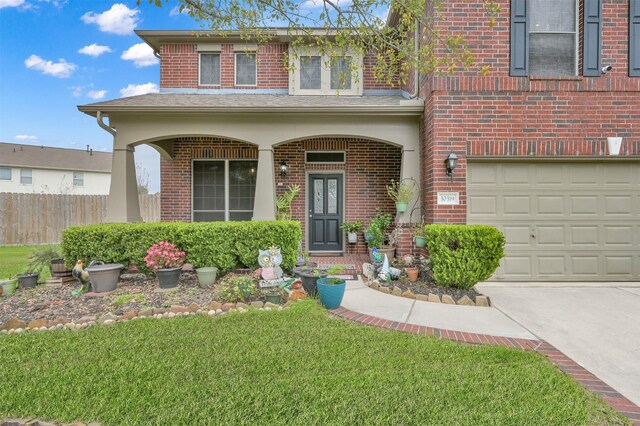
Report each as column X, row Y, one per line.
column 331, row 294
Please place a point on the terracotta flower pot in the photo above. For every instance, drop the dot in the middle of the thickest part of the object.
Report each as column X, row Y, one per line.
column 412, row 274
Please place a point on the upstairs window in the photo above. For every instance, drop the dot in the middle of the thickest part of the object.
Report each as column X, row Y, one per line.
column 5, row 173
column 209, row 69
column 544, row 39
column 26, row 176
column 316, row 74
column 78, row 179
column 246, row 70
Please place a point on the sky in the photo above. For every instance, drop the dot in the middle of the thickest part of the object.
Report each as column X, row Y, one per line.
column 55, row 55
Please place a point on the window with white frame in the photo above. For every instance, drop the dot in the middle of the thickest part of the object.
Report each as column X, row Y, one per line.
column 316, row 74
column 553, row 40
column 210, row 69
column 246, row 69
column 5, row 173
column 26, row 176
column 78, row 179
column 223, row 190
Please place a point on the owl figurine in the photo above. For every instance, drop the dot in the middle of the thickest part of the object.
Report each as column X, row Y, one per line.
column 269, row 261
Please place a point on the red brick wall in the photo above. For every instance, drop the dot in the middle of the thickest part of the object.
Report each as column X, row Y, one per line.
column 369, row 168
column 179, row 68
column 499, row 115
column 175, row 175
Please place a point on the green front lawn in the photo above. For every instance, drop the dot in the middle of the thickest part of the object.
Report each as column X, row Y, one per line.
column 15, row 260
column 293, row 367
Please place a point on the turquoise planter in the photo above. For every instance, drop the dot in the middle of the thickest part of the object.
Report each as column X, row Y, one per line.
column 331, row 294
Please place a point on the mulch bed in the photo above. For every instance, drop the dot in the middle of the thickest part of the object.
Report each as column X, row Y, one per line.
column 49, row 303
column 426, row 285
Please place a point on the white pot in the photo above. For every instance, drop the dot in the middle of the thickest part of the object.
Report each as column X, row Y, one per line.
column 352, row 237
column 614, row 145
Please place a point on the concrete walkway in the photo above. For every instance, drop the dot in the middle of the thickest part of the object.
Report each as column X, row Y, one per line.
column 471, row 319
column 595, row 324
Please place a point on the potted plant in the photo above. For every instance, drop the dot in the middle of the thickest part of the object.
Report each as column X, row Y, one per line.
column 9, row 286
column 401, row 192
column 419, row 235
column 207, row 276
column 38, row 260
column 352, row 229
column 412, row 273
column 309, row 275
column 166, row 260
column 331, row 289
column 104, row 277
column 273, row 295
column 283, row 202
column 377, row 236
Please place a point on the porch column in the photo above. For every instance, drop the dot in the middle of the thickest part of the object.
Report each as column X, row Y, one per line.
column 264, row 206
column 410, row 168
column 123, row 204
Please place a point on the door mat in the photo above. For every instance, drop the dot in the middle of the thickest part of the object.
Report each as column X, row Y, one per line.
column 347, row 277
column 348, row 267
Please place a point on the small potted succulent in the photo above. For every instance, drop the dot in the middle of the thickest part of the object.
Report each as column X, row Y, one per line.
column 401, row 192
column 331, row 289
column 352, row 229
column 166, row 260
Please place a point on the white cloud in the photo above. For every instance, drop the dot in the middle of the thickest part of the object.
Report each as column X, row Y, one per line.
column 175, row 11
column 317, row 4
column 141, row 55
column 25, row 138
column 118, row 20
column 95, row 50
column 96, row 94
column 76, row 91
column 10, row 3
column 61, row 69
column 139, row 89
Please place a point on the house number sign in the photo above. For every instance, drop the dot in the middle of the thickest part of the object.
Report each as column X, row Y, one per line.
column 448, row 198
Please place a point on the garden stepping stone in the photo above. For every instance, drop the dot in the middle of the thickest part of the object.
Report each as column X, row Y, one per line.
column 214, row 306
column 37, row 323
column 397, row 291
column 466, row 300
column 14, row 323
column 257, row 304
column 448, row 299
column 409, row 294
column 433, row 298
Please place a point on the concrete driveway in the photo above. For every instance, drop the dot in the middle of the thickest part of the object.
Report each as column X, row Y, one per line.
column 595, row 324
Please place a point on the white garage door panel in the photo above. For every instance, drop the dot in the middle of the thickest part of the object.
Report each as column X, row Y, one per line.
column 562, row 221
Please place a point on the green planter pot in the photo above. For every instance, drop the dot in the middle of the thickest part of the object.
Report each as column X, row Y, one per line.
column 168, row 277
column 9, row 286
column 331, row 294
column 421, row 241
column 274, row 298
column 207, row 276
column 402, row 207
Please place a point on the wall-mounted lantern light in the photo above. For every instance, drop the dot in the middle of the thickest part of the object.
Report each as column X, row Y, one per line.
column 283, row 169
column 451, row 162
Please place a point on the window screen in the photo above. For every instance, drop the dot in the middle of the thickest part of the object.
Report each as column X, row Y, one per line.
column 210, row 68
column 242, row 189
column 325, row 157
column 552, row 38
column 341, row 73
column 310, row 72
column 208, row 191
column 78, row 179
column 246, row 69
column 5, row 173
column 25, row 177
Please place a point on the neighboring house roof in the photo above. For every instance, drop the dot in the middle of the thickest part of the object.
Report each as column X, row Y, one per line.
column 43, row 157
column 159, row 102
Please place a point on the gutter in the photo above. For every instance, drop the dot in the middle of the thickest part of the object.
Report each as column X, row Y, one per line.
column 103, row 125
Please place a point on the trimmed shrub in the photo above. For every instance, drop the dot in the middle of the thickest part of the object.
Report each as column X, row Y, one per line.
column 225, row 245
column 463, row 255
column 236, row 288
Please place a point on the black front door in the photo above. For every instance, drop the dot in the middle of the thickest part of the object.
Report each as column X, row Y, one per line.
column 325, row 212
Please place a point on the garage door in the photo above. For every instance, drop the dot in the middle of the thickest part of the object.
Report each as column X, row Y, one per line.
column 562, row 221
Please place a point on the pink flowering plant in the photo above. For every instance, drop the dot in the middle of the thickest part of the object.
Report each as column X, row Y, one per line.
column 164, row 255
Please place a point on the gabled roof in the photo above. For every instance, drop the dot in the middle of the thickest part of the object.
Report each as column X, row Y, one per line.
column 241, row 103
column 44, row 157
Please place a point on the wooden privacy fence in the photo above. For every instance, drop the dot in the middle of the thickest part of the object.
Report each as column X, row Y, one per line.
column 41, row 218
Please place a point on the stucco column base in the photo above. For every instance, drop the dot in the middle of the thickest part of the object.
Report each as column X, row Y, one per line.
column 264, row 206
column 123, row 204
column 410, row 169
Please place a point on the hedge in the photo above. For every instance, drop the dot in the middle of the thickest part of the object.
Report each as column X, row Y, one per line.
column 463, row 255
column 225, row 245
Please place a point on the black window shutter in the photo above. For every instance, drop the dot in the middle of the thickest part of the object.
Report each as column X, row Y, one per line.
column 634, row 38
column 519, row 38
column 592, row 43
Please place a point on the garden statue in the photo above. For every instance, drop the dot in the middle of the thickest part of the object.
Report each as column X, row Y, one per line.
column 82, row 276
column 269, row 261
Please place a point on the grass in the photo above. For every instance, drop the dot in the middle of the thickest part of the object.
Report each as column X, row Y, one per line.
column 295, row 367
column 15, row 260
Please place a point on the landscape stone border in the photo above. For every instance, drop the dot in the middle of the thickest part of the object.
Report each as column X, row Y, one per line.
column 465, row 300
column 613, row 398
column 15, row 325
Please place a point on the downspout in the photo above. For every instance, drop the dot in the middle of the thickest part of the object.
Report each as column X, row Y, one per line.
column 416, row 71
column 156, row 53
column 103, row 125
